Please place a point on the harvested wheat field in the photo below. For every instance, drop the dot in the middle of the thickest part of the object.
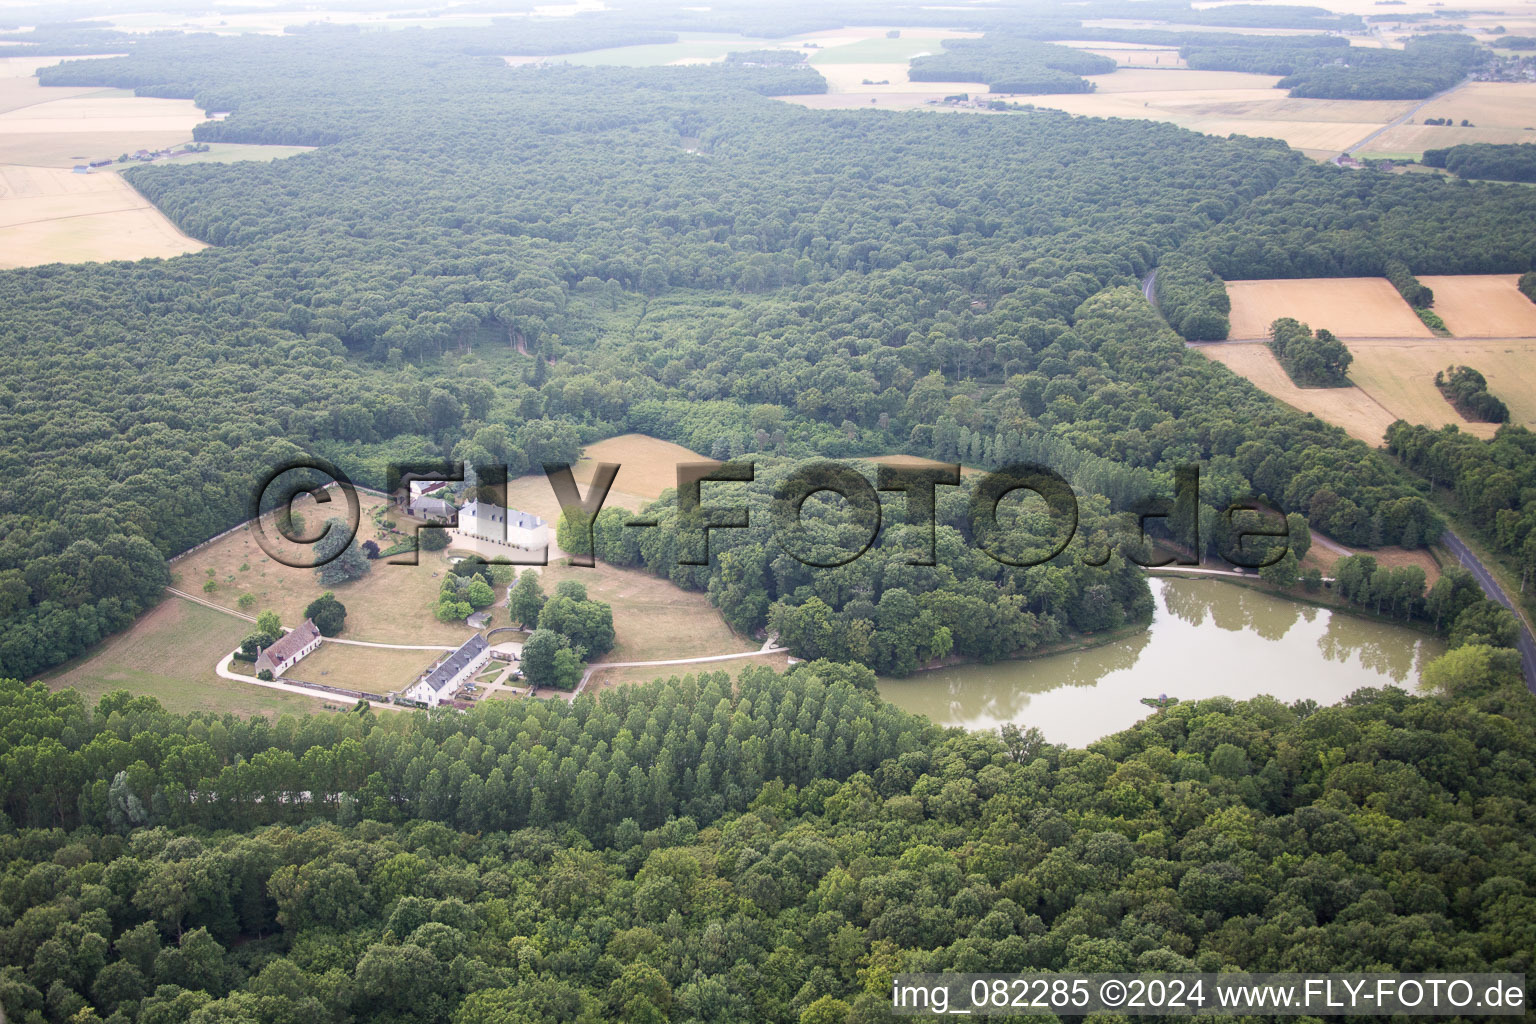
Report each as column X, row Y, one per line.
column 55, row 216
column 1350, row 307
column 1483, row 305
column 1401, row 375
column 1132, row 55
column 1229, row 103
column 648, row 465
column 876, row 98
column 1500, row 113
column 101, row 125
column 1351, row 408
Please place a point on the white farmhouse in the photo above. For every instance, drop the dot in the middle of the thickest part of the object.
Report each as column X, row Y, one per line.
column 493, row 524
column 287, row 649
column 442, row 679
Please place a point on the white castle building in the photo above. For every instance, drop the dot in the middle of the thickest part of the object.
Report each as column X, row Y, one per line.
column 492, row 524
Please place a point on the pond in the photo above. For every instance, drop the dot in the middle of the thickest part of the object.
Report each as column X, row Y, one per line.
column 1207, row 639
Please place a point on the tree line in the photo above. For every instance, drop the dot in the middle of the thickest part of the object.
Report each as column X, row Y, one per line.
column 774, row 850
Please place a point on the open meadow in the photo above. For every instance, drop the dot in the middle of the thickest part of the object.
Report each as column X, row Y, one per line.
column 608, row 679
column 391, row 604
column 1483, row 305
column 648, row 465
column 1228, row 103
column 1350, row 307
column 653, row 619
column 169, row 654
column 377, row 670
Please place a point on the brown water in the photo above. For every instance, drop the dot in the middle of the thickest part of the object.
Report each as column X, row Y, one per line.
column 1208, row 639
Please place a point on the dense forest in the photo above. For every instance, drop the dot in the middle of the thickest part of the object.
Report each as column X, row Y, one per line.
column 1486, row 161
column 1314, row 359
column 773, row 851
column 1192, row 297
column 1011, row 64
column 1467, row 390
column 1425, row 66
column 1494, row 482
column 808, row 283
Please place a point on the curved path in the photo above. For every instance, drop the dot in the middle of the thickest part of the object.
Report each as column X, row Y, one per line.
column 1526, row 643
column 221, row 668
column 769, row 647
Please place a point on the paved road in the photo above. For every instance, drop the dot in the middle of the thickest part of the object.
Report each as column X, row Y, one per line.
column 221, row 669
column 1362, row 143
column 1149, row 287
column 1491, row 587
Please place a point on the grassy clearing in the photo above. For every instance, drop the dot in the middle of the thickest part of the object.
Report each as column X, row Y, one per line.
column 392, row 604
column 648, row 464
column 880, row 50
column 1401, row 375
column 376, row 670
column 1350, row 307
column 652, row 618
column 169, row 654
column 235, row 152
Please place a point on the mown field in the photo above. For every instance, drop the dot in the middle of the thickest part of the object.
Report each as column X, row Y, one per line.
column 652, row 618
column 1500, row 112
column 1228, row 103
column 1350, row 307
column 376, row 670
column 391, row 604
column 48, row 215
column 1483, row 305
column 1351, row 408
column 1401, row 375
column 169, row 654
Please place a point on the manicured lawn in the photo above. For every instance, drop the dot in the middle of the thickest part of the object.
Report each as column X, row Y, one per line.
column 169, row 654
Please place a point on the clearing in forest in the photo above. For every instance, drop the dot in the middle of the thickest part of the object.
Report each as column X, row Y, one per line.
column 169, row 654
column 1483, row 305
column 648, row 464
column 392, row 604
column 1350, row 307
column 653, row 618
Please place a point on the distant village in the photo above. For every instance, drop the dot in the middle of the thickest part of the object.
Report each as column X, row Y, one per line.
column 145, row 156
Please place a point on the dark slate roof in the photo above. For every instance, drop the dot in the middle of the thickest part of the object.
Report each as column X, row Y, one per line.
column 430, row 506
column 444, row 674
column 287, row 645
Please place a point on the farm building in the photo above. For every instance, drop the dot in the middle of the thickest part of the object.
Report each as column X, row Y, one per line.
column 483, row 521
column 287, row 650
column 441, row 680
